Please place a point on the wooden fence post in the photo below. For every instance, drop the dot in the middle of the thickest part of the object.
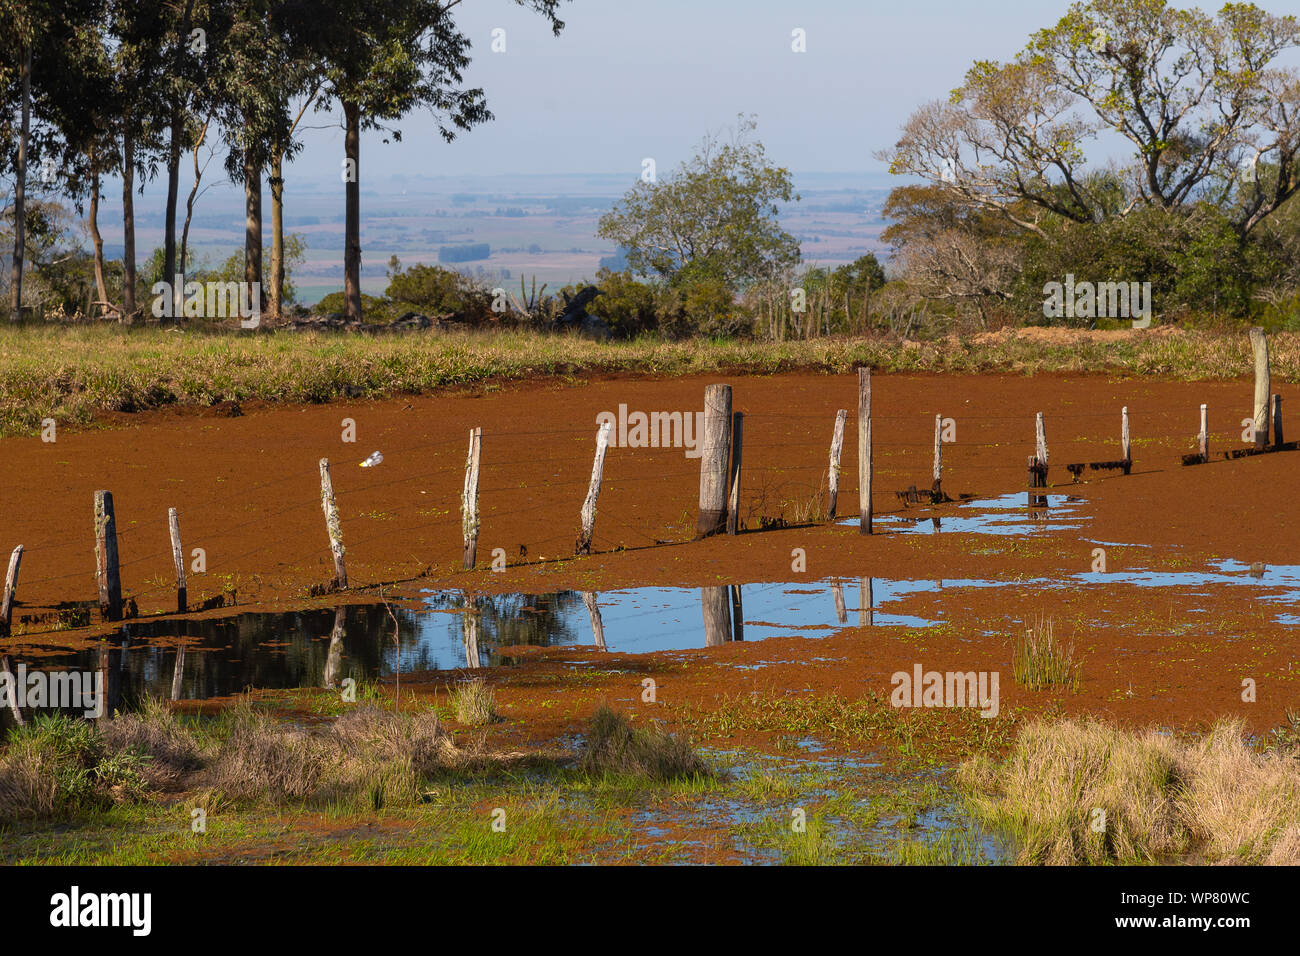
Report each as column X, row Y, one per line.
column 1204, row 441
column 733, row 479
column 178, row 558
column 714, row 454
column 833, row 475
column 864, row 451
column 593, row 492
column 469, row 500
column 1040, row 442
column 106, row 565
column 11, row 585
column 1263, row 387
column 332, row 525
column 936, row 489
column 1125, row 444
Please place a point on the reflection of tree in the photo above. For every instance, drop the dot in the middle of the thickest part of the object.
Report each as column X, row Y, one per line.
column 505, row 620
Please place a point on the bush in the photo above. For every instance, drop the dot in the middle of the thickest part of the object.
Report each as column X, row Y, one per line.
column 433, row 290
column 614, row 746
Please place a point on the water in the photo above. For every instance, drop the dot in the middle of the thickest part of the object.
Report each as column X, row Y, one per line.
column 1007, row 515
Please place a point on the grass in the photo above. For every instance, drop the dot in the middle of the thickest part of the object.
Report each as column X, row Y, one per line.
column 1076, row 792
column 474, row 704
column 70, row 373
column 614, row 746
column 1042, row 661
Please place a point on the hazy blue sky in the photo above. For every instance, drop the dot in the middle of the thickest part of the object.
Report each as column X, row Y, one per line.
column 634, row 78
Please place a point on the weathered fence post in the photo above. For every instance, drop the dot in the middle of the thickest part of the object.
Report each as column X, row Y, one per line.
column 864, row 451
column 1263, row 387
column 469, row 500
column 593, row 492
column 106, row 569
column 1277, row 421
column 1040, row 442
column 11, row 585
column 1125, row 444
column 332, row 525
column 833, row 475
column 733, row 479
column 178, row 558
column 1204, row 439
column 714, row 455
column 936, row 489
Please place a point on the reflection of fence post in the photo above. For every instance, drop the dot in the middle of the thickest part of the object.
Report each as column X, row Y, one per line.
column 715, row 449
column 1125, row 443
column 1204, row 441
column 833, row 476
column 733, row 479
column 332, row 525
column 470, row 628
column 13, row 685
column 717, row 615
column 469, row 499
column 11, row 586
column 864, row 451
column 178, row 672
column 178, row 558
column 1263, row 385
column 335, row 655
column 593, row 492
column 841, row 613
column 106, row 569
column 866, row 603
column 737, row 614
column 597, row 624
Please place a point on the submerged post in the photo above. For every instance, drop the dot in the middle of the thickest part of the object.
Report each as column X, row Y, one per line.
column 1125, row 445
column 733, row 479
column 178, row 558
column 714, row 453
column 864, row 451
column 593, row 493
column 1263, row 387
column 469, row 500
column 11, row 585
column 106, row 569
column 833, row 474
column 332, row 525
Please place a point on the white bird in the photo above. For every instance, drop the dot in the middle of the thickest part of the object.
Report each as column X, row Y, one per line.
column 374, row 459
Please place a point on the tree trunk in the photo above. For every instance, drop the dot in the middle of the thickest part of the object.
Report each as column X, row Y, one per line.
column 20, row 193
column 101, row 288
column 352, row 226
column 253, row 232
column 169, row 235
column 128, row 218
column 277, row 232
column 189, row 202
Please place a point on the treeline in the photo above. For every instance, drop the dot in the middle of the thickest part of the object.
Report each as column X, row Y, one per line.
column 137, row 89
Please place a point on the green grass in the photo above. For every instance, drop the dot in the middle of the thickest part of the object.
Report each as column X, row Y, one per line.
column 69, row 373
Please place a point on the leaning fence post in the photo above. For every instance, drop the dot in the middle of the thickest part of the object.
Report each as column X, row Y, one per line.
column 106, row 567
column 1259, row 342
column 733, row 479
column 833, row 476
column 715, row 449
column 593, row 492
column 1125, row 444
column 178, row 558
column 332, row 525
column 1204, row 439
column 11, row 585
column 864, row 451
column 469, row 499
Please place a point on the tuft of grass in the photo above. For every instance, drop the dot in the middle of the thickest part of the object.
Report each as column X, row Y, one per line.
column 614, row 746
column 474, row 704
column 1084, row 792
column 1043, row 661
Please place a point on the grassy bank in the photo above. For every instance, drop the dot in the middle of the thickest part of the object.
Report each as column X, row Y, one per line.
column 71, row 373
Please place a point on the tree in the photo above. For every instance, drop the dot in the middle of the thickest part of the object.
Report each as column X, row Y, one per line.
column 713, row 217
column 1198, row 98
column 382, row 59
